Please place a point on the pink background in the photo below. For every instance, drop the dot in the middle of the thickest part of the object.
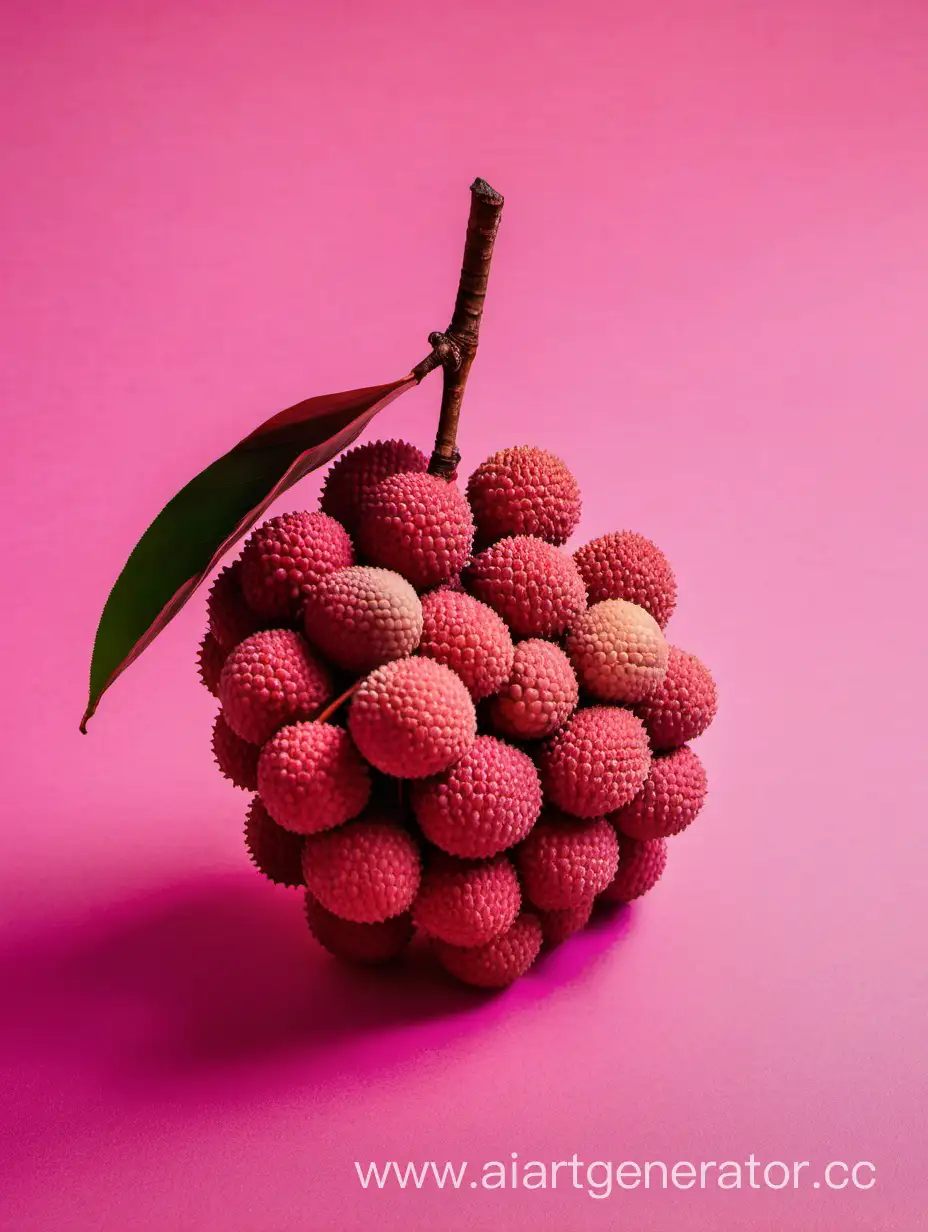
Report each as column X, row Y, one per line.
column 710, row 297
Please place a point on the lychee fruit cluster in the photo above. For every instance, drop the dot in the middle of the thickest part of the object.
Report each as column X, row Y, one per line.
column 452, row 728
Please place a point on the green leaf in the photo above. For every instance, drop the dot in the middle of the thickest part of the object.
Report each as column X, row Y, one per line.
column 195, row 529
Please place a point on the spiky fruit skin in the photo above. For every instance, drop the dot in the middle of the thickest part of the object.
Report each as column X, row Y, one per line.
column 356, row 473
column 673, row 794
column 412, row 718
column 366, row 871
column 210, row 658
column 684, row 703
column 557, row 926
column 236, row 758
column 275, row 852
column 467, row 902
column 287, row 555
column 641, row 864
column 269, row 680
column 524, row 491
column 497, row 963
column 618, row 651
column 596, row 763
column 468, row 637
column 311, row 777
column 361, row 617
column 419, row 525
column 534, row 586
column 358, row 943
column 623, row 565
column 564, row 862
column 540, row 695
column 485, row 803
column 231, row 620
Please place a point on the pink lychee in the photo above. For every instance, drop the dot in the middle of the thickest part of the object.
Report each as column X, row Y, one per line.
column 210, row 658
column 468, row 637
column 618, row 651
column 311, row 777
column 467, row 902
column 499, row 962
column 540, row 695
column 623, row 565
column 269, row 680
column 419, row 525
column 237, row 759
column 361, row 617
column 366, row 871
column 524, row 491
column 565, row 862
column 684, row 703
column 275, row 852
column 558, row 925
column 288, row 554
column 231, row 620
column 641, row 864
column 596, row 763
column 535, row 587
column 354, row 942
column 356, row 473
column 673, row 794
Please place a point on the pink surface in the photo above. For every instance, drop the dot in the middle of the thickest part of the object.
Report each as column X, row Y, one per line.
column 709, row 296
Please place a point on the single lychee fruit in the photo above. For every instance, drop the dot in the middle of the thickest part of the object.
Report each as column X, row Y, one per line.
column 356, row 473
column 565, row 862
column 486, row 802
column 623, row 565
column 362, row 617
column 469, row 637
column 366, row 871
column 210, row 658
column 684, row 703
column 673, row 794
column 524, row 491
column 557, row 926
column 641, row 864
column 311, row 777
column 412, row 718
column 419, row 525
column 467, row 902
column 358, row 943
column 500, row 961
column 274, row 851
column 535, row 587
column 540, row 695
column 237, row 759
column 270, row 679
column 596, row 763
column 618, row 650
column 231, row 620
column 288, row 554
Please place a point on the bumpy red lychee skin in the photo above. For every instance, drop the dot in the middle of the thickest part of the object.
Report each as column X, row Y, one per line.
column 358, row 943
column 673, row 794
column 618, row 651
column 469, row 637
column 467, row 902
column 640, row 867
column 524, row 491
column 684, row 703
column 565, row 862
column 497, row 963
column 237, row 759
column 484, row 804
column 623, row 565
column 231, row 620
column 419, row 525
column 311, row 777
column 557, row 926
column 596, row 763
column 540, row 695
column 269, row 680
column 275, row 852
column 358, row 471
column 288, row 554
column 361, row 617
column 210, row 658
column 366, row 871
column 534, row 586
column 412, row 718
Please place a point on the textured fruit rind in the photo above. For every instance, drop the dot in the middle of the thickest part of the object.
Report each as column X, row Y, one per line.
column 287, row 554
column 484, row 804
column 596, row 763
column 565, row 862
column 618, row 651
column 499, row 962
column 640, row 867
column 231, row 620
column 534, row 586
column 469, row 637
column 624, row 565
column 275, row 852
column 524, row 491
column 354, row 942
column 540, row 695
column 412, row 718
column 362, row 617
column 358, row 471
column 311, row 777
column 672, row 796
column 467, row 902
column 269, row 680
column 683, row 704
column 236, row 758
column 419, row 525
column 557, row 926
column 210, row 658
column 366, row 871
